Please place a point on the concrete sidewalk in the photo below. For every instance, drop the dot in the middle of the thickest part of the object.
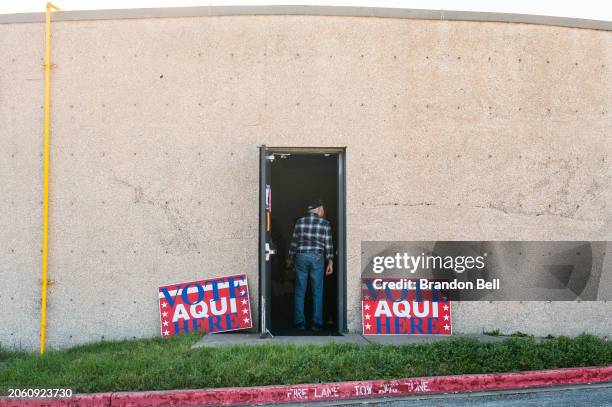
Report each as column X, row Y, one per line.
column 226, row 339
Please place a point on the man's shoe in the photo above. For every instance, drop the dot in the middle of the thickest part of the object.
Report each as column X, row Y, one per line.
column 316, row 328
column 299, row 327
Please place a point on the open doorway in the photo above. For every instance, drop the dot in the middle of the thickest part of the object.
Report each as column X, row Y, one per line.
column 291, row 178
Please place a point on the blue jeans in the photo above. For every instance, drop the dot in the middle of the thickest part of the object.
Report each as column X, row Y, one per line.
column 309, row 264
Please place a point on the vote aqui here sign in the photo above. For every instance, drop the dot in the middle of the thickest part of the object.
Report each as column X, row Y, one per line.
column 390, row 307
column 213, row 305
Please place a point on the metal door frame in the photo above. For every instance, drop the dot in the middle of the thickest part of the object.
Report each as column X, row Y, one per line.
column 264, row 284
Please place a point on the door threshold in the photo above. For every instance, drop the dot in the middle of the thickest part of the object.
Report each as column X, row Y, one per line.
column 295, row 332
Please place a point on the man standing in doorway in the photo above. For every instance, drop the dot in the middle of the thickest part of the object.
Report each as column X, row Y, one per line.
column 311, row 246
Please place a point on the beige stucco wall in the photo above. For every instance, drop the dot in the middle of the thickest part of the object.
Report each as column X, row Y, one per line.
column 454, row 131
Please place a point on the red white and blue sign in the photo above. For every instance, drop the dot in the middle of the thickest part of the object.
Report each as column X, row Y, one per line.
column 215, row 305
column 403, row 311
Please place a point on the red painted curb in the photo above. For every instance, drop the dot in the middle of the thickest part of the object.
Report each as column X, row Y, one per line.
column 332, row 391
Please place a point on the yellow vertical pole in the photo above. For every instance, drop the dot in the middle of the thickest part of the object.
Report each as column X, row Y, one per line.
column 45, row 248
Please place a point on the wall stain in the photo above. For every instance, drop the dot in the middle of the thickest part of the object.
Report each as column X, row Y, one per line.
column 180, row 240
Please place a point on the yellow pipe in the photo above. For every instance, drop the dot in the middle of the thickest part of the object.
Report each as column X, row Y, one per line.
column 45, row 248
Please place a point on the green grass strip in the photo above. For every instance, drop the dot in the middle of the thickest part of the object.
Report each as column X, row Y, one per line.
column 156, row 364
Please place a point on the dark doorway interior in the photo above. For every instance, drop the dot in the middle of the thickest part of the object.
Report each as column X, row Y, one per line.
column 295, row 180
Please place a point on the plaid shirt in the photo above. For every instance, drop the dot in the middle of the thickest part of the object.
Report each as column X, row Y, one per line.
column 312, row 234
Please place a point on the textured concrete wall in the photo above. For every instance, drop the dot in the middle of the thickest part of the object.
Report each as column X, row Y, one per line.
column 454, row 130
